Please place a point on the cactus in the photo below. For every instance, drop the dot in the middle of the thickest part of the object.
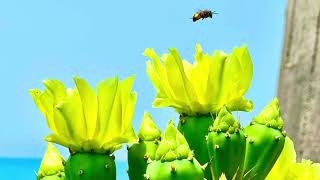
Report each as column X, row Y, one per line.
column 91, row 125
column 226, row 146
column 87, row 165
column 173, row 159
column 52, row 165
column 139, row 154
column 198, row 91
column 265, row 141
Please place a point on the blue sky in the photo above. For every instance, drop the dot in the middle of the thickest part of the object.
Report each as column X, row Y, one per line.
column 97, row 39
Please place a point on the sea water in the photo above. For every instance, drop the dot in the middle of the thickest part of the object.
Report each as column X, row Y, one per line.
column 25, row 169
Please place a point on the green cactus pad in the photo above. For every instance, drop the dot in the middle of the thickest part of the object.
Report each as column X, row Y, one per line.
column 88, row 166
column 226, row 146
column 145, row 149
column 174, row 160
column 195, row 130
column 265, row 141
column 174, row 170
column 51, row 167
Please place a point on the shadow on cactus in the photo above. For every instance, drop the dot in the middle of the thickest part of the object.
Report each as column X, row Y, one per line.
column 91, row 124
column 198, row 91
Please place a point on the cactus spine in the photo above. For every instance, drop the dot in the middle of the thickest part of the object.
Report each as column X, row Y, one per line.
column 226, row 146
column 140, row 153
column 195, row 130
column 265, row 141
column 52, row 165
column 174, row 160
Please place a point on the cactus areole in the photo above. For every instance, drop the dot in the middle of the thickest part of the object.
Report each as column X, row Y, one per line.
column 91, row 124
column 173, row 159
column 198, row 91
column 226, row 146
column 265, row 141
column 140, row 153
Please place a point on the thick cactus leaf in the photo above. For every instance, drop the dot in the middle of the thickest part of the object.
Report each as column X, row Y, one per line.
column 84, row 120
column 208, row 85
column 270, row 115
column 52, row 162
column 286, row 158
column 173, row 145
column 148, row 129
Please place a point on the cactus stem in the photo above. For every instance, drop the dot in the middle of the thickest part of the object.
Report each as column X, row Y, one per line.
column 81, row 172
column 216, row 146
column 173, row 168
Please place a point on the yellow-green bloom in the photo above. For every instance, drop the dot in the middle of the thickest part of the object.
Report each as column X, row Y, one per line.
column 52, row 163
column 84, row 120
column 286, row 167
column 205, row 86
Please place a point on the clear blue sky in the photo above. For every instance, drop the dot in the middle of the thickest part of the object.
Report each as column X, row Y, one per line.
column 58, row 39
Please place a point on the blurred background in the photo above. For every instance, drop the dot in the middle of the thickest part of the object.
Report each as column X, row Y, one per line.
column 98, row 39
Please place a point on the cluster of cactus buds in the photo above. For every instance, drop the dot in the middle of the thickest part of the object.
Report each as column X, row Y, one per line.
column 52, row 165
column 173, row 159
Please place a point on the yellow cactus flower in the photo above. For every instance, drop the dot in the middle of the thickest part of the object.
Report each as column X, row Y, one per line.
column 286, row 167
column 52, row 163
column 84, row 120
column 286, row 158
column 205, row 86
column 304, row 171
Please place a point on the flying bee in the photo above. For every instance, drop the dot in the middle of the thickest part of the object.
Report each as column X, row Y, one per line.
column 202, row 14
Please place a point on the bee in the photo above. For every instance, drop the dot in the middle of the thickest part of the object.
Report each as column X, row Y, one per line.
column 202, row 14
